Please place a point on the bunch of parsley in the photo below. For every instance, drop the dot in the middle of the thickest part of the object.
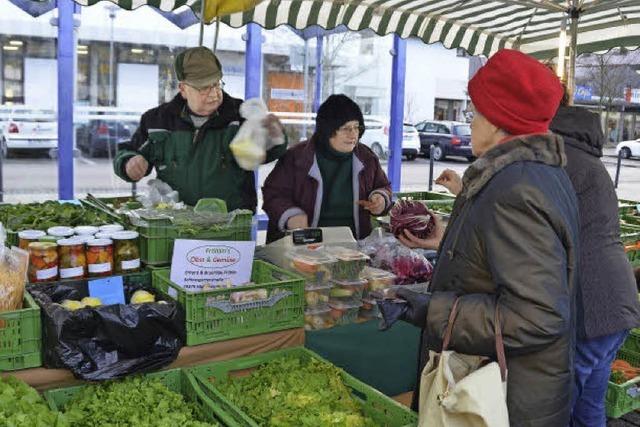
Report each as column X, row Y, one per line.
column 293, row 392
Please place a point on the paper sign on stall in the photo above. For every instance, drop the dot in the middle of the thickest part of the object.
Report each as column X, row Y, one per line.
column 201, row 264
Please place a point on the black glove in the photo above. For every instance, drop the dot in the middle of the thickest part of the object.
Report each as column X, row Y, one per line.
column 410, row 306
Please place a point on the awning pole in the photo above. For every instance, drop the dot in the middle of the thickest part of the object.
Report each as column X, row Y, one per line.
column 573, row 53
column 201, row 22
column 562, row 45
column 215, row 38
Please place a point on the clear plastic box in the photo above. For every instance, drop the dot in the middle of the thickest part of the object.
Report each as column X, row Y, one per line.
column 350, row 263
column 318, row 318
column 351, row 290
column 377, row 280
column 317, row 295
column 344, row 312
column 316, row 266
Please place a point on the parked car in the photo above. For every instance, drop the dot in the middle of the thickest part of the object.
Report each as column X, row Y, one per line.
column 25, row 129
column 628, row 149
column 101, row 137
column 447, row 138
column 376, row 137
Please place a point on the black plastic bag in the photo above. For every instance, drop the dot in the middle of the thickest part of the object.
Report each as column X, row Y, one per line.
column 110, row 341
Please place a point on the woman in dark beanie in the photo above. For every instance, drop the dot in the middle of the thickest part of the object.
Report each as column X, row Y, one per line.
column 510, row 244
column 607, row 295
column 331, row 180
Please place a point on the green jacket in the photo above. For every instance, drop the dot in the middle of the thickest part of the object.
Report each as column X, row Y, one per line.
column 196, row 163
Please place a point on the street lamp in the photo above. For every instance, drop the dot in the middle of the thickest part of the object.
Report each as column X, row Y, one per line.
column 112, row 16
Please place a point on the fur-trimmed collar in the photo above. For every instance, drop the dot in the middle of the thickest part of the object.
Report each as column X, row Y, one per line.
column 545, row 148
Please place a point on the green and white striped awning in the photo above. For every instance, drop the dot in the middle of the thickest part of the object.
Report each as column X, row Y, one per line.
column 480, row 27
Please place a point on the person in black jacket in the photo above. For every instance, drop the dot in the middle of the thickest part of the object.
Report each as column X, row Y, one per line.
column 607, row 296
column 510, row 245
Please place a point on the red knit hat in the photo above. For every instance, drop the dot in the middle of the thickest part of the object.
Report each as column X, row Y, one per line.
column 516, row 93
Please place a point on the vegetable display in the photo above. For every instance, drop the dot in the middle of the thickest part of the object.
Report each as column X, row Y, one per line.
column 292, row 392
column 22, row 406
column 135, row 401
column 315, row 265
column 41, row 216
column 622, row 371
column 414, row 217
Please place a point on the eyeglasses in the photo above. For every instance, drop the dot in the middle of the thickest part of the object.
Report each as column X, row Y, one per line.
column 349, row 129
column 202, row 91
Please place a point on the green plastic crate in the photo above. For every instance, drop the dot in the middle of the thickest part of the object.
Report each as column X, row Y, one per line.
column 20, row 337
column 624, row 398
column 176, row 380
column 210, row 316
column 157, row 239
column 383, row 410
column 632, row 343
column 626, row 207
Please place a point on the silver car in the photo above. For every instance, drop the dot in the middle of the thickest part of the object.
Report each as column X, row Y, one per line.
column 28, row 129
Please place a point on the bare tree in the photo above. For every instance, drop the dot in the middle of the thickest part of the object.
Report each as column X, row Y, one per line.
column 335, row 71
column 609, row 75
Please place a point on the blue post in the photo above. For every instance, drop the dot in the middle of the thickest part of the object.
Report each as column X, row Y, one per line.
column 317, row 98
column 253, row 62
column 253, row 80
column 397, row 111
column 66, row 82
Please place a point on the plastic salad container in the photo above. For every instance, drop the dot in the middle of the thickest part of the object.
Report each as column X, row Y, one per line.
column 317, row 295
column 315, row 265
column 318, row 318
column 344, row 312
column 343, row 289
column 369, row 309
column 350, row 263
column 377, row 279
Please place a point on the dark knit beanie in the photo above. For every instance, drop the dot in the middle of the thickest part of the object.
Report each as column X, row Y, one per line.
column 335, row 112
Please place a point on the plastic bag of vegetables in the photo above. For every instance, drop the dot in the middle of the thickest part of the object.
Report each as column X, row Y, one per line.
column 250, row 145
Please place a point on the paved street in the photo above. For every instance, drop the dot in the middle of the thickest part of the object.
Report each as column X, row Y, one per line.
column 29, row 179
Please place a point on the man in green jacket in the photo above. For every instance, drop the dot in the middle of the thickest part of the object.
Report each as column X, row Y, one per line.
column 187, row 139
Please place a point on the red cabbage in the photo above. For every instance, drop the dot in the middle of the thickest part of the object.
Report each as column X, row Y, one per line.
column 413, row 216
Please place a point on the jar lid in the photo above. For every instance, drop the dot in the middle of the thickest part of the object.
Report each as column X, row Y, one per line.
column 53, row 239
column 103, row 235
column 42, row 246
column 85, row 238
column 100, row 242
column 70, row 242
column 60, row 231
column 85, row 229
column 125, row 235
column 111, row 228
column 31, row 234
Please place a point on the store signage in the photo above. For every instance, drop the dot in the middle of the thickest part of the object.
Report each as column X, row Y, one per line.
column 201, row 264
column 632, row 95
column 583, row 93
column 110, row 290
column 287, row 94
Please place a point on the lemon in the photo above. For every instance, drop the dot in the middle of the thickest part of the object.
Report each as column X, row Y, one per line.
column 91, row 302
column 141, row 297
column 72, row 305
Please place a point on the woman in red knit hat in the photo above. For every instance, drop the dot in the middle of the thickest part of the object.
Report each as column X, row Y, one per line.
column 510, row 244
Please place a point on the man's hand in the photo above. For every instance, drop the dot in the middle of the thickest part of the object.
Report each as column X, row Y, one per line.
column 375, row 204
column 136, row 168
column 433, row 242
column 274, row 128
column 451, row 181
column 298, row 221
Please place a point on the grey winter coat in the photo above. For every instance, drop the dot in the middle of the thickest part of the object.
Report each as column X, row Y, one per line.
column 607, row 294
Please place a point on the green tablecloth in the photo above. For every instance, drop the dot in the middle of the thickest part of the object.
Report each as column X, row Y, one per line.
column 387, row 361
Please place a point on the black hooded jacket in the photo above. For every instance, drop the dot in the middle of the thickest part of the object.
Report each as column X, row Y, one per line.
column 607, row 294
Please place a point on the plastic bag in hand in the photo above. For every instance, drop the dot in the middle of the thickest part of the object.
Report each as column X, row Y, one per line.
column 160, row 195
column 250, row 145
column 388, row 254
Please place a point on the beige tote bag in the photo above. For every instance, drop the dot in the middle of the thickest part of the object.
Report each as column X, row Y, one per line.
column 460, row 390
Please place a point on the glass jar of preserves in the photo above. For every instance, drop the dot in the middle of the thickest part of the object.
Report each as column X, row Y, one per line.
column 29, row 236
column 61, row 232
column 126, row 251
column 72, row 259
column 85, row 230
column 43, row 262
column 111, row 228
column 100, row 257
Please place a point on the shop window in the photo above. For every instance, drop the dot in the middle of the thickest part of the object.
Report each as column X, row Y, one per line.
column 12, row 73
